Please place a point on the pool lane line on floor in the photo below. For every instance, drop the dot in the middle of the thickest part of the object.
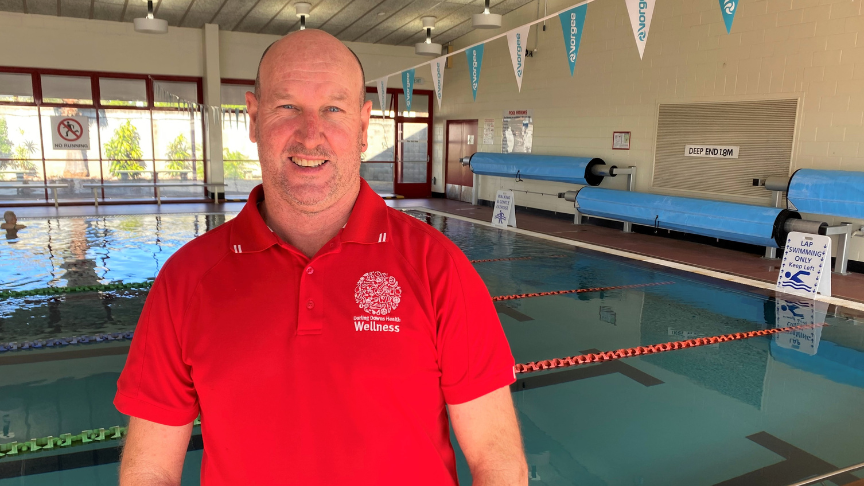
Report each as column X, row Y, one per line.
column 66, row 341
column 851, row 304
column 512, row 259
column 500, row 298
column 48, row 291
column 554, row 363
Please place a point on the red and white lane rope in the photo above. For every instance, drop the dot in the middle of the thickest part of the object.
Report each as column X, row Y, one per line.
column 549, row 364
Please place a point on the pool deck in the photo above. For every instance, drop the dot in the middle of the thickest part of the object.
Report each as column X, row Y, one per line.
column 850, row 286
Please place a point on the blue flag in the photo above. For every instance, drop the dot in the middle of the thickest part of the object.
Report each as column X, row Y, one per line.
column 728, row 8
column 475, row 62
column 408, row 87
column 572, row 22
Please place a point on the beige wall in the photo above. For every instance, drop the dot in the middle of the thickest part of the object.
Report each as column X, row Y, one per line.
column 40, row 41
column 807, row 49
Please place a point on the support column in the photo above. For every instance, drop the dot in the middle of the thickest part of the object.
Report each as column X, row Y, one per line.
column 213, row 97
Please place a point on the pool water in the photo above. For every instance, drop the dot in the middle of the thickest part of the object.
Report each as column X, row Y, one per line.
column 766, row 410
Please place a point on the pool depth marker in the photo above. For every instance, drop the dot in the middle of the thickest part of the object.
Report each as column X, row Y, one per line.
column 549, row 364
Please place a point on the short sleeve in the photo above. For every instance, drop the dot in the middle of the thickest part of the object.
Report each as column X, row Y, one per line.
column 474, row 354
column 156, row 384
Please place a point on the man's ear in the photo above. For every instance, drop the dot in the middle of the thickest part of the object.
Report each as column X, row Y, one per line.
column 252, row 108
column 365, row 113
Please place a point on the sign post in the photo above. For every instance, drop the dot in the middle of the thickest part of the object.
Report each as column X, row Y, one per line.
column 504, row 213
column 805, row 269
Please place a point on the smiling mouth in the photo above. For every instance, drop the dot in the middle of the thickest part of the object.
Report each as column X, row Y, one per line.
column 308, row 162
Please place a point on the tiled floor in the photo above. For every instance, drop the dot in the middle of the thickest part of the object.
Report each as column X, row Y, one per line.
column 748, row 265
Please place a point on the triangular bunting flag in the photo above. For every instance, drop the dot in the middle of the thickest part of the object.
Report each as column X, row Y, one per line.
column 381, row 84
column 437, row 66
column 572, row 22
column 517, row 39
column 408, row 87
column 475, row 62
column 728, row 8
column 640, row 19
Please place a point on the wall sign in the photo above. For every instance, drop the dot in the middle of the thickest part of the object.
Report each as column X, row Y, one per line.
column 517, row 131
column 489, row 131
column 620, row 140
column 713, row 151
column 804, row 270
column 70, row 132
column 504, row 213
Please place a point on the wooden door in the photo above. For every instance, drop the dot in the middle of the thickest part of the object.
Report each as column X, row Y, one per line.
column 461, row 141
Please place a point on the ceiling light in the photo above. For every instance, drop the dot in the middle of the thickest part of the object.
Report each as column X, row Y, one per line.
column 428, row 48
column 150, row 25
column 486, row 20
column 381, row 14
column 303, row 10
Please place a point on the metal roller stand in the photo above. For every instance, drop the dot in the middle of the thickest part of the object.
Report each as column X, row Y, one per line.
column 777, row 186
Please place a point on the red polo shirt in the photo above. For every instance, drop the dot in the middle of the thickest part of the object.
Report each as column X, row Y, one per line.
column 332, row 370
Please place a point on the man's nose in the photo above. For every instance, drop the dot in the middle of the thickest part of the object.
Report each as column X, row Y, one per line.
column 309, row 131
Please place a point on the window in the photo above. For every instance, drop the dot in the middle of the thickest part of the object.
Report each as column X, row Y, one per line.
column 16, row 88
column 239, row 155
column 123, row 92
column 167, row 94
column 69, row 90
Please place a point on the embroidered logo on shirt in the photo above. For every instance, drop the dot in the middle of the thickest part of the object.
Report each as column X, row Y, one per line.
column 378, row 293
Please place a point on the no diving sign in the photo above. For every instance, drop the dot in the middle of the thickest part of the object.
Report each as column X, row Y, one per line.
column 70, row 132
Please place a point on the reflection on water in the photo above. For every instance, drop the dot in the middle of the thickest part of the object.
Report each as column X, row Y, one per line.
column 68, row 252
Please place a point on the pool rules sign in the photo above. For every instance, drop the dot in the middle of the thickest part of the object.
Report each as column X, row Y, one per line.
column 504, row 213
column 806, row 265
column 70, row 133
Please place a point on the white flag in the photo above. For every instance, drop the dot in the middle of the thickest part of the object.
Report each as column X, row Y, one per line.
column 437, row 66
column 381, row 84
column 640, row 18
column 517, row 39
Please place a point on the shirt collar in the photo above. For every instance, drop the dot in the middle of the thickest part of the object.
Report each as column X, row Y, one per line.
column 368, row 222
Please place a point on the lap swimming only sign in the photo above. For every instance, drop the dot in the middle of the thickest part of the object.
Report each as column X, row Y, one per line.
column 805, row 268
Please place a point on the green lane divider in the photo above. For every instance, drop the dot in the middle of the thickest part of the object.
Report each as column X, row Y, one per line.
column 69, row 290
column 50, row 443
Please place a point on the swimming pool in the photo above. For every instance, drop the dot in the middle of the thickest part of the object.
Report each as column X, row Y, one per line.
column 766, row 410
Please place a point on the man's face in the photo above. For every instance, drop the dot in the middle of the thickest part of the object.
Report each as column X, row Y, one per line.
column 309, row 123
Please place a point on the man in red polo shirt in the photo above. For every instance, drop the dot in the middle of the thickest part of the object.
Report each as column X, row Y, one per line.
column 322, row 336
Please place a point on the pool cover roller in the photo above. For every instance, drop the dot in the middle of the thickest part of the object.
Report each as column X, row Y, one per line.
column 756, row 225
column 573, row 170
column 829, row 192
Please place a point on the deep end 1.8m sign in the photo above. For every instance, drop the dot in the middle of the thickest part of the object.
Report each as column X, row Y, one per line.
column 715, row 151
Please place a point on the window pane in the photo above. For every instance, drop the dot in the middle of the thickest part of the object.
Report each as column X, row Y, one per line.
column 239, row 155
column 70, row 90
column 72, row 167
column 123, row 92
column 415, row 137
column 376, row 104
column 165, row 93
column 381, row 137
column 378, row 175
column 20, row 154
column 127, row 147
column 419, row 105
column 177, row 158
column 413, row 172
column 234, row 95
column 16, row 88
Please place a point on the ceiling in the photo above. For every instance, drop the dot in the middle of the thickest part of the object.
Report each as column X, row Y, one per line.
column 392, row 22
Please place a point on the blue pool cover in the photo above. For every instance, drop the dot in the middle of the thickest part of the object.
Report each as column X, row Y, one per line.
column 573, row 170
column 829, row 192
column 757, row 225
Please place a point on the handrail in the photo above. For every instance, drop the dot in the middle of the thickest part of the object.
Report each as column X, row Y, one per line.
column 828, row 475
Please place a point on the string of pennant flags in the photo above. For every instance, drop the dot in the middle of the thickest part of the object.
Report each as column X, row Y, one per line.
column 217, row 115
column 572, row 23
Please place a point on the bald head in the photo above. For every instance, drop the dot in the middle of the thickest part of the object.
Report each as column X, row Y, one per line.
column 314, row 42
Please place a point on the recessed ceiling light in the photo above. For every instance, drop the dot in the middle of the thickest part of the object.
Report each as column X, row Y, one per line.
column 381, row 14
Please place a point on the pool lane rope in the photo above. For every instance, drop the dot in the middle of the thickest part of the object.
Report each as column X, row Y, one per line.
column 510, row 259
column 576, row 291
column 51, row 443
column 549, row 364
column 66, row 341
column 6, row 294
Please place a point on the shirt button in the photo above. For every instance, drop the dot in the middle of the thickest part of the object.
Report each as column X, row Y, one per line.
column 309, row 270
column 310, row 304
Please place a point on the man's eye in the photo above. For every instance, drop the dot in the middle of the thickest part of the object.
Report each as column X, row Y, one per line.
column 289, row 107
column 333, row 109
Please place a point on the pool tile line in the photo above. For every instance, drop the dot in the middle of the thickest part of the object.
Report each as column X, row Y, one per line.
column 576, row 291
column 651, row 349
column 643, row 258
column 8, row 294
column 602, row 369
